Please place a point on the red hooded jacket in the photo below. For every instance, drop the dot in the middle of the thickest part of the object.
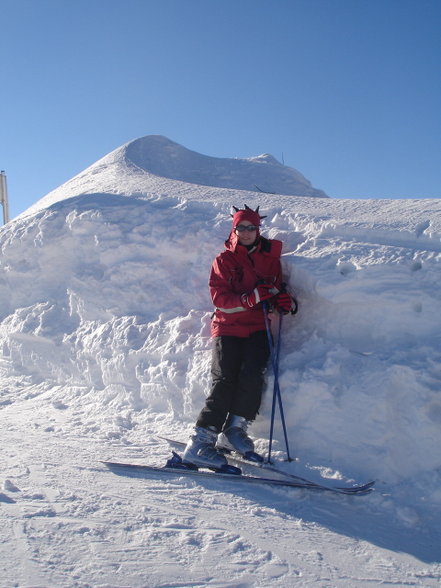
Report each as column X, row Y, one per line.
column 237, row 271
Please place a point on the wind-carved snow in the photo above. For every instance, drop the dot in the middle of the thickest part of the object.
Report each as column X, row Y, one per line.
column 104, row 333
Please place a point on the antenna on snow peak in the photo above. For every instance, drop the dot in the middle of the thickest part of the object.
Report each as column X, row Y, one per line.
column 4, row 197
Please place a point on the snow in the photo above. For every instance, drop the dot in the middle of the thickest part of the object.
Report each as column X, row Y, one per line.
column 104, row 331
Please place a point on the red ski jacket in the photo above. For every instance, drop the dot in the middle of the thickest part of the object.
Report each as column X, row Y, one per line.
column 238, row 271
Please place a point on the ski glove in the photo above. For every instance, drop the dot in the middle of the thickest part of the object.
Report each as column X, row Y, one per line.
column 259, row 294
column 284, row 303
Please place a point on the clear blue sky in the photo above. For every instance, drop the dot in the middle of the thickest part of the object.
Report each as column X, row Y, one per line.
column 347, row 91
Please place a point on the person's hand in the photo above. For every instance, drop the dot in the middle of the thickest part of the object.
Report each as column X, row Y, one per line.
column 259, row 294
column 284, row 303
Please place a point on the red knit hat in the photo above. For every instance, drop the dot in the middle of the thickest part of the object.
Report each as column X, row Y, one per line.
column 247, row 214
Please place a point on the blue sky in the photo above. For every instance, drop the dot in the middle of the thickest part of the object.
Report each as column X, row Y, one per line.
column 346, row 91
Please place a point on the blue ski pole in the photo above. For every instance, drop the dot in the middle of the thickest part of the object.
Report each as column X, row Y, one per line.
column 275, row 353
column 279, row 394
column 275, row 370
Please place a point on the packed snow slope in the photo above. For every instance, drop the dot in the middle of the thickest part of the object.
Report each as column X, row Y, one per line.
column 149, row 163
column 104, row 333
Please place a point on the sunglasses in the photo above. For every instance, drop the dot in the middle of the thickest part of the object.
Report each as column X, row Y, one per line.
column 242, row 228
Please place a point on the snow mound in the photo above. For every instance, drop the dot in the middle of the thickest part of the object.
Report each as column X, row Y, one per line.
column 110, row 293
column 154, row 162
column 162, row 157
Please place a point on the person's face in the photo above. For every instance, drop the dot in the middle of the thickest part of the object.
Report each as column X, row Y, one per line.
column 246, row 237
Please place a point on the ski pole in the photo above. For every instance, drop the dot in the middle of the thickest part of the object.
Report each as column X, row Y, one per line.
column 274, row 361
column 273, row 407
column 276, row 391
column 279, row 394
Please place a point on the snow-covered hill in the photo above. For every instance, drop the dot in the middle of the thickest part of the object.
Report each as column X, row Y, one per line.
column 154, row 163
column 104, row 332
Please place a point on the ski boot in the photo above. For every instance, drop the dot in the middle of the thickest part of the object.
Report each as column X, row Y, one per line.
column 201, row 452
column 234, row 437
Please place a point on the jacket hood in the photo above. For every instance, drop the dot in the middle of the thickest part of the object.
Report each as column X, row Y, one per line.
column 271, row 247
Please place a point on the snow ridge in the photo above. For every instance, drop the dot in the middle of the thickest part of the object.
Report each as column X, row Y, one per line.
column 155, row 163
column 164, row 158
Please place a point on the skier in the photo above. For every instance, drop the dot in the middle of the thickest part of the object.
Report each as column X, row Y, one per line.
column 245, row 275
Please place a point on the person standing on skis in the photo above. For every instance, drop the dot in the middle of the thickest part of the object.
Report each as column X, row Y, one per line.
column 243, row 277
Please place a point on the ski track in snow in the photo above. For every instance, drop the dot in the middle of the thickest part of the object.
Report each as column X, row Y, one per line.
column 105, row 347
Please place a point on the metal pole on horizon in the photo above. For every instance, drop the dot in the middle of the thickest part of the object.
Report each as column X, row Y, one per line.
column 4, row 197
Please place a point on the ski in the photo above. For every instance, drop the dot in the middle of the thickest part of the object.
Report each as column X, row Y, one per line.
column 176, row 467
column 238, row 460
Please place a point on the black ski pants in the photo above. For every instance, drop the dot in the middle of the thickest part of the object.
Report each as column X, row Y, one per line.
column 237, row 369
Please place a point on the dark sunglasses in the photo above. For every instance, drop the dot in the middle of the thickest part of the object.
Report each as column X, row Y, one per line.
column 242, row 228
